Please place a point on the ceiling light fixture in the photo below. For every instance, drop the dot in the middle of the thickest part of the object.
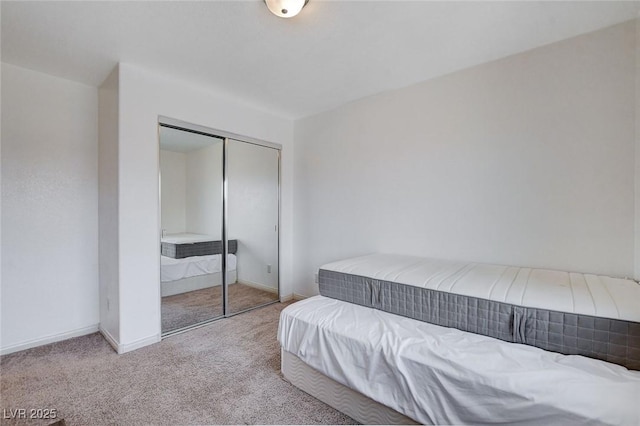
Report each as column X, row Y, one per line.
column 286, row 8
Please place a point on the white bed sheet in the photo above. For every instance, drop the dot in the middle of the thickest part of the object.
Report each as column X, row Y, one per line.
column 442, row 375
column 570, row 292
column 177, row 269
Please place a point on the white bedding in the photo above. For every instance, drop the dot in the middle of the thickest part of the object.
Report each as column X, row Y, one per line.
column 187, row 238
column 442, row 375
column 570, row 292
column 177, row 269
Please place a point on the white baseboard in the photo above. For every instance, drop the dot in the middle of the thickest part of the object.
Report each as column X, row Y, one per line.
column 292, row 296
column 49, row 339
column 297, row 296
column 122, row 348
column 258, row 286
column 286, row 298
column 110, row 339
column 146, row 341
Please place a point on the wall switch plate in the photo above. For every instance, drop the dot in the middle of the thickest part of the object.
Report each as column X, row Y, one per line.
column 315, row 278
column 108, row 304
column 268, row 269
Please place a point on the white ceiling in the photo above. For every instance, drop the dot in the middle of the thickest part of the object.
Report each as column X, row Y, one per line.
column 332, row 53
column 182, row 141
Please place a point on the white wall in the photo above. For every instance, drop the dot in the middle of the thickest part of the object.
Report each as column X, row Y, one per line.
column 204, row 190
column 252, row 177
column 108, row 240
column 527, row 160
column 49, row 209
column 191, row 190
column 173, row 169
column 143, row 97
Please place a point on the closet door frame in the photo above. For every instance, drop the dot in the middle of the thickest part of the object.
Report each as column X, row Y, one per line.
column 226, row 136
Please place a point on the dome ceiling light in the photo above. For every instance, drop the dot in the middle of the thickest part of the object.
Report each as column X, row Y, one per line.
column 286, row 8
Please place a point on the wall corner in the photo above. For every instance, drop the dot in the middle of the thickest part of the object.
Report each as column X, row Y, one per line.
column 108, row 206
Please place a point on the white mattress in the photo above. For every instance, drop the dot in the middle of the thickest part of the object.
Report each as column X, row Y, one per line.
column 187, row 238
column 176, row 269
column 442, row 375
column 570, row 292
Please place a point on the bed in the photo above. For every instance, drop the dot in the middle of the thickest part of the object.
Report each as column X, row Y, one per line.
column 194, row 273
column 393, row 339
column 571, row 313
column 382, row 368
column 179, row 246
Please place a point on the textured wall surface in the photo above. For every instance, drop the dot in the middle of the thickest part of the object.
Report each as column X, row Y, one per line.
column 49, row 208
column 527, row 161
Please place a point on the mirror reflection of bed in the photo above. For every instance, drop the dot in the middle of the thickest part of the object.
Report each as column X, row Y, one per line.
column 191, row 194
column 191, row 278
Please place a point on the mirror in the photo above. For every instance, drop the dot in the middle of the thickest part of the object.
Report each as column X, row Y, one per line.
column 191, row 176
column 252, row 175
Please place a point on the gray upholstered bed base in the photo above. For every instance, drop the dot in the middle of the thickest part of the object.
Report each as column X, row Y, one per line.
column 204, row 248
column 607, row 339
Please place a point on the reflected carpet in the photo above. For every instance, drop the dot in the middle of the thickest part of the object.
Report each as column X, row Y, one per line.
column 185, row 309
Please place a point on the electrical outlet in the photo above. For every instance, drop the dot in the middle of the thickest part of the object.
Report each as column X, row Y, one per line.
column 315, row 278
column 268, row 269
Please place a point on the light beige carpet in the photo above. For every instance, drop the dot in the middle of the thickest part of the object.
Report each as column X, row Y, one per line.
column 227, row 372
column 185, row 309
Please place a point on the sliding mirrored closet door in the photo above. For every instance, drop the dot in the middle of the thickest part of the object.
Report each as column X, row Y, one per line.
column 252, row 203
column 220, row 212
column 191, row 181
